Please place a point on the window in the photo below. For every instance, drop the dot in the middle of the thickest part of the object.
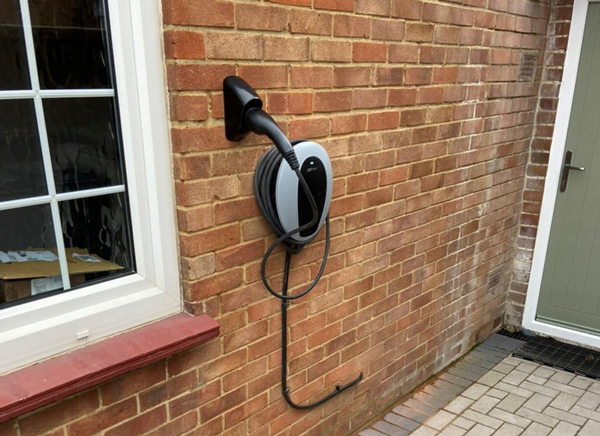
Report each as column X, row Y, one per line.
column 86, row 252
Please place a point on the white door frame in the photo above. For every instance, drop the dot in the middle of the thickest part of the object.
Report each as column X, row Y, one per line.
column 559, row 139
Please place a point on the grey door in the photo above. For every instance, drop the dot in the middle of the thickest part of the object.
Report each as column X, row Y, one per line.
column 570, row 292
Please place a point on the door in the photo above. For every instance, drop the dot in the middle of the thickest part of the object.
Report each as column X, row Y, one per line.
column 570, row 290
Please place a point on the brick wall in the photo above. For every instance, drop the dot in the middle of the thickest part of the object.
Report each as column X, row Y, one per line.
column 428, row 117
column 558, row 32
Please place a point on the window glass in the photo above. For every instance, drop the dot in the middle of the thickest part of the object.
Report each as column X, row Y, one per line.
column 29, row 264
column 61, row 152
column 21, row 165
column 71, row 45
column 13, row 57
column 97, row 237
column 83, row 138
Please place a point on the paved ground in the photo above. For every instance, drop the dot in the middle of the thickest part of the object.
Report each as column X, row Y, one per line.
column 489, row 393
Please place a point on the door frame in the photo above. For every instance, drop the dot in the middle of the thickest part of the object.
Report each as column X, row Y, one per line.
column 557, row 149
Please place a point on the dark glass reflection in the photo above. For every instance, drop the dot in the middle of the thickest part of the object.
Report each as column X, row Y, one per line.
column 21, row 166
column 30, row 233
column 100, row 227
column 71, row 44
column 13, row 57
column 83, row 142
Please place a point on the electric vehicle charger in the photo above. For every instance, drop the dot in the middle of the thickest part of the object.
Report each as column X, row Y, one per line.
column 294, row 197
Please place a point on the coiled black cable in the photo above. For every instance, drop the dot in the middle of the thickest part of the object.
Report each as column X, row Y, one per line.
column 264, row 183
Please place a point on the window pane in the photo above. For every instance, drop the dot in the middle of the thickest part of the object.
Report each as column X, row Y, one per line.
column 21, row 166
column 70, row 40
column 13, row 58
column 82, row 133
column 98, row 227
column 28, row 262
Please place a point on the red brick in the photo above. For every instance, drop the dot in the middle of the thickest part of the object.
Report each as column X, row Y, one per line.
column 265, row 77
column 309, row 128
column 369, row 52
column 335, row 5
column 351, row 76
column 418, row 76
column 236, row 256
column 191, row 167
column 331, row 51
column 258, row 17
column 217, row 13
column 191, row 220
column 386, row 76
column 59, row 414
column 233, row 46
column 204, row 191
column 388, row 30
column 142, row 423
column 419, row 32
column 332, row 101
column 403, row 53
column 285, row 49
column 290, row 103
column 311, row 77
column 210, row 240
column 413, row 117
column 198, row 77
column 369, row 98
column 310, row 22
column 189, row 107
column 348, row 124
column 407, row 9
column 351, row 26
column 184, row 45
column 384, row 120
column 402, row 97
column 373, row 7
column 103, row 419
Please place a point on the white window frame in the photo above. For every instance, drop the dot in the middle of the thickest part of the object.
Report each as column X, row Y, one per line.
column 39, row 329
column 557, row 149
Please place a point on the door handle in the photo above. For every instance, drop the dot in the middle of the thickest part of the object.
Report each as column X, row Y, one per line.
column 567, row 167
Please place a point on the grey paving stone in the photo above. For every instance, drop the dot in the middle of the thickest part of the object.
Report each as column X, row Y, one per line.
column 564, row 401
column 389, row 429
column 503, row 368
column 538, row 402
column 424, row 408
column 536, row 429
column 508, row 430
column 409, row 413
column 537, row 380
column 370, row 432
column 589, row 400
column 463, row 422
column 491, row 378
column 539, row 389
column 440, row 420
column 515, row 377
column 564, row 429
column 537, row 417
column 436, row 392
column 469, row 374
column 488, row 421
column 565, row 388
column 448, row 387
column 511, row 403
column 562, row 377
column 585, row 413
column 475, row 392
column 581, row 382
column 527, row 367
column 591, row 428
column 515, row 390
column 510, row 344
column 424, row 431
column 452, row 430
column 480, row 430
column 459, row 404
column 401, row 421
column 497, row 393
column 454, row 379
column 564, row 416
column 494, row 340
column 430, row 399
column 485, row 404
column 511, row 418
column 544, row 372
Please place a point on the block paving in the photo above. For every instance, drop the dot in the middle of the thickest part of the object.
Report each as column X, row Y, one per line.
column 489, row 392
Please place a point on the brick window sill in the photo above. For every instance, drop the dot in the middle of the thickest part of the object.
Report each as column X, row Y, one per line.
column 38, row 385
